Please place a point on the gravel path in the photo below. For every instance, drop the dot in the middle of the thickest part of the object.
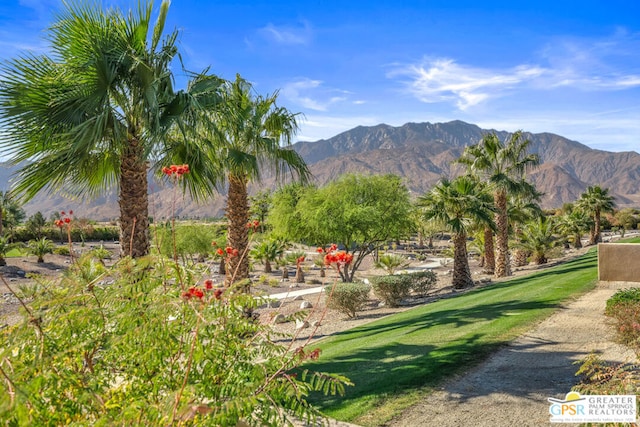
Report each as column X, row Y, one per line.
column 512, row 387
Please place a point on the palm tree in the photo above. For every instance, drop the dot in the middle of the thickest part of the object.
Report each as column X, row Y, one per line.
column 523, row 208
column 573, row 224
column 503, row 166
column 457, row 205
column 11, row 213
column 595, row 201
column 537, row 237
column 40, row 248
column 94, row 113
column 252, row 133
column 268, row 251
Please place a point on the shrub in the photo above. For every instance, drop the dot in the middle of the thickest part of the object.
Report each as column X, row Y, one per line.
column 391, row 262
column 601, row 377
column 149, row 346
column 61, row 250
column 392, row 289
column 422, row 281
column 348, row 298
column 622, row 297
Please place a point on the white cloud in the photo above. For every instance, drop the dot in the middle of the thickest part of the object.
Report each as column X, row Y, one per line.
column 308, row 93
column 316, row 127
column 288, row 35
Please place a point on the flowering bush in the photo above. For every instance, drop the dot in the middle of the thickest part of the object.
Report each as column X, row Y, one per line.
column 146, row 343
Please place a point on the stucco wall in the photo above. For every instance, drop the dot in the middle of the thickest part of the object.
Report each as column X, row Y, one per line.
column 619, row 262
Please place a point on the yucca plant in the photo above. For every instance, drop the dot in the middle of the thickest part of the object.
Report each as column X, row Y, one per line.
column 391, row 262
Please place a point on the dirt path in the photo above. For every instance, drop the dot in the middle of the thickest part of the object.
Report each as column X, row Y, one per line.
column 512, row 387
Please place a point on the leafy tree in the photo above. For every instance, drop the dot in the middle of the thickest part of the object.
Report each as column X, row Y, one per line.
column 11, row 213
column 360, row 213
column 36, row 223
column 457, row 204
column 503, row 166
column 252, row 134
column 596, row 201
column 259, row 205
column 626, row 219
column 40, row 247
column 538, row 238
column 95, row 112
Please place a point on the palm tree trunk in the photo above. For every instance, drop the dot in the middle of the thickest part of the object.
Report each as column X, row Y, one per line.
column 596, row 237
column 3, row 262
column 503, row 266
column 237, row 234
column 520, row 257
column 134, row 201
column 1, row 229
column 489, row 252
column 267, row 266
column 461, row 272
column 299, row 274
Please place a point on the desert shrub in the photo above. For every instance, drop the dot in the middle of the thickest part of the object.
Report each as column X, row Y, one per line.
column 348, row 298
column 61, row 250
column 392, row 289
column 422, row 281
column 101, row 253
column 191, row 241
column 622, row 297
column 142, row 344
column 605, row 378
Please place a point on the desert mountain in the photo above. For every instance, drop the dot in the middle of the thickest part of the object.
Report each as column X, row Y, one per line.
column 419, row 152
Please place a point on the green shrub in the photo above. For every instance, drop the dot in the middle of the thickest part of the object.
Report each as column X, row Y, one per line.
column 605, row 378
column 348, row 298
column 143, row 344
column 422, row 282
column 622, row 297
column 61, row 250
column 392, row 289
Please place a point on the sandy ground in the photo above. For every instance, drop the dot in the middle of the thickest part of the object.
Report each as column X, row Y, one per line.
column 512, row 387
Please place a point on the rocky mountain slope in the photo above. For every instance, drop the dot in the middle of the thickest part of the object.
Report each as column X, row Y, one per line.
column 419, row 152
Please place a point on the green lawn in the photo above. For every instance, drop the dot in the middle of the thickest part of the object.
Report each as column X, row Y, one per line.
column 394, row 361
column 16, row 252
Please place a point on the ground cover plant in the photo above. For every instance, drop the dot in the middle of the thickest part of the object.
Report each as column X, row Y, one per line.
column 393, row 361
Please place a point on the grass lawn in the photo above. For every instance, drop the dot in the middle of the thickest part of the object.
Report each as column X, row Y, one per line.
column 395, row 361
column 16, row 252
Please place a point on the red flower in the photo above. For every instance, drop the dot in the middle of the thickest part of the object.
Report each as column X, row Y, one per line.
column 235, row 252
column 320, row 250
column 220, row 252
column 166, row 171
column 208, row 284
column 217, row 294
column 314, row 354
column 59, row 223
column 195, row 292
column 70, row 212
column 300, row 260
column 175, row 170
column 63, row 213
column 228, row 250
column 67, row 220
column 333, row 247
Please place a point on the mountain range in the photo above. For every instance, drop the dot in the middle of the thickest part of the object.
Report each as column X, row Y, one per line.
column 421, row 153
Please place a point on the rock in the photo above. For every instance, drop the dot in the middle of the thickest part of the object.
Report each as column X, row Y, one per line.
column 274, row 303
column 294, row 285
column 279, row 318
column 297, row 298
column 381, row 304
column 302, row 324
column 21, row 273
column 316, row 323
column 305, row 305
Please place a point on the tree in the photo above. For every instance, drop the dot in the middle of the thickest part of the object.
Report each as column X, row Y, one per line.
column 523, row 208
column 595, row 201
column 267, row 252
column 573, row 224
column 40, row 247
column 359, row 213
column 252, row 134
column 259, row 205
column 36, row 223
column 95, row 112
column 626, row 219
column 503, row 166
column 538, row 238
column 458, row 204
column 5, row 247
column 11, row 213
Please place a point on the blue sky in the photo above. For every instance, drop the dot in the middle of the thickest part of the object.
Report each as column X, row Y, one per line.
column 562, row 66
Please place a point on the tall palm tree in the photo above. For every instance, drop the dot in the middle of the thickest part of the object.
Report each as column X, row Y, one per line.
column 596, row 200
column 523, row 208
column 457, row 205
column 251, row 134
column 92, row 114
column 503, row 166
